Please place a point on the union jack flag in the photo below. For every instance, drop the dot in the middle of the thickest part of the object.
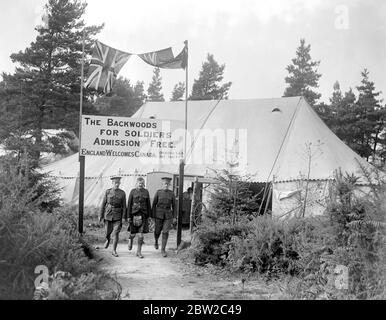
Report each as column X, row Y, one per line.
column 106, row 62
column 165, row 59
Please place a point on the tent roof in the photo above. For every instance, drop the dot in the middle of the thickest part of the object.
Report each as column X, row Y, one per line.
column 284, row 136
column 280, row 145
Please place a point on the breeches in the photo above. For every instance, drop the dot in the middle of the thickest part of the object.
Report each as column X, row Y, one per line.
column 163, row 225
column 112, row 228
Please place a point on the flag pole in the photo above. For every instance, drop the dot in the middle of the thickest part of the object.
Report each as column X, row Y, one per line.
column 182, row 161
column 186, row 98
column 81, row 158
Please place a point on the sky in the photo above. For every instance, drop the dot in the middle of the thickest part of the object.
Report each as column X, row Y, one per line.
column 255, row 39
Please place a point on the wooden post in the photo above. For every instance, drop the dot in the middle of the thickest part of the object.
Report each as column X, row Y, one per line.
column 81, row 192
column 180, row 200
column 81, row 158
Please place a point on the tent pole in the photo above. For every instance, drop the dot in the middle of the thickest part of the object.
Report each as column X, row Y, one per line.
column 81, row 158
column 268, row 198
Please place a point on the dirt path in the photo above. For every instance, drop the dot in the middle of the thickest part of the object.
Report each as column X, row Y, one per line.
column 156, row 277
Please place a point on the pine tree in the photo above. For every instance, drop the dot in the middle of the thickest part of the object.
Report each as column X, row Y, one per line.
column 178, row 92
column 371, row 117
column 331, row 119
column 207, row 86
column 342, row 116
column 325, row 113
column 359, row 122
column 155, row 87
column 337, row 96
column 45, row 86
column 231, row 197
column 346, row 119
column 382, row 149
column 139, row 96
column 303, row 76
column 124, row 100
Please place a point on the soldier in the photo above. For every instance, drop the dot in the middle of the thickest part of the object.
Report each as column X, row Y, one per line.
column 186, row 206
column 138, row 212
column 163, row 212
column 188, row 194
column 112, row 211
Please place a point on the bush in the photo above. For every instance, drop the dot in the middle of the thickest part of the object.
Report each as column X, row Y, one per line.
column 270, row 248
column 212, row 241
column 353, row 236
column 31, row 236
column 22, row 182
column 311, row 251
column 359, row 232
column 231, row 198
column 87, row 286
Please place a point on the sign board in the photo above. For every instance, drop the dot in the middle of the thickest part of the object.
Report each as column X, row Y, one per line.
column 131, row 137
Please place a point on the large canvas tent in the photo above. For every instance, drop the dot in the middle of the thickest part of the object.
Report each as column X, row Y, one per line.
column 281, row 140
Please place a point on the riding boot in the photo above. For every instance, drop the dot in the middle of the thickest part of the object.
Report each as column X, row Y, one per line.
column 164, row 242
column 156, row 236
column 131, row 239
column 140, row 241
column 107, row 243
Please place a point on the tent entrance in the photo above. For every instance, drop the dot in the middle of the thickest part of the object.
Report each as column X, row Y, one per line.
column 193, row 203
column 187, row 197
column 263, row 193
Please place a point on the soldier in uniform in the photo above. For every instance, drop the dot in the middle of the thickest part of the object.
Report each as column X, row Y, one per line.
column 188, row 194
column 164, row 215
column 112, row 210
column 138, row 212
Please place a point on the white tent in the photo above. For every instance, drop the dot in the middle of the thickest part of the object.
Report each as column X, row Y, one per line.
column 277, row 140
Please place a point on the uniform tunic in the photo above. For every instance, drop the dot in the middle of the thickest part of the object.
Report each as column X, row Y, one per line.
column 163, row 211
column 138, row 205
column 112, row 211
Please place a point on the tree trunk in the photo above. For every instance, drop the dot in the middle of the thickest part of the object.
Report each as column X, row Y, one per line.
column 38, row 134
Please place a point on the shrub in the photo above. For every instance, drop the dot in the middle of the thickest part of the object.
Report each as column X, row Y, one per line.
column 359, row 232
column 20, row 181
column 31, row 236
column 272, row 247
column 231, row 197
column 353, row 236
column 87, row 286
column 212, row 241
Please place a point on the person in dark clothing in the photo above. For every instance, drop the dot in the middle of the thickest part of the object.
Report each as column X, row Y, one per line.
column 112, row 211
column 164, row 214
column 187, row 197
column 137, row 214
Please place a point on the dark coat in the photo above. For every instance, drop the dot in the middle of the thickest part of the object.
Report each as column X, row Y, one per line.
column 138, row 204
column 164, row 205
column 113, row 205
